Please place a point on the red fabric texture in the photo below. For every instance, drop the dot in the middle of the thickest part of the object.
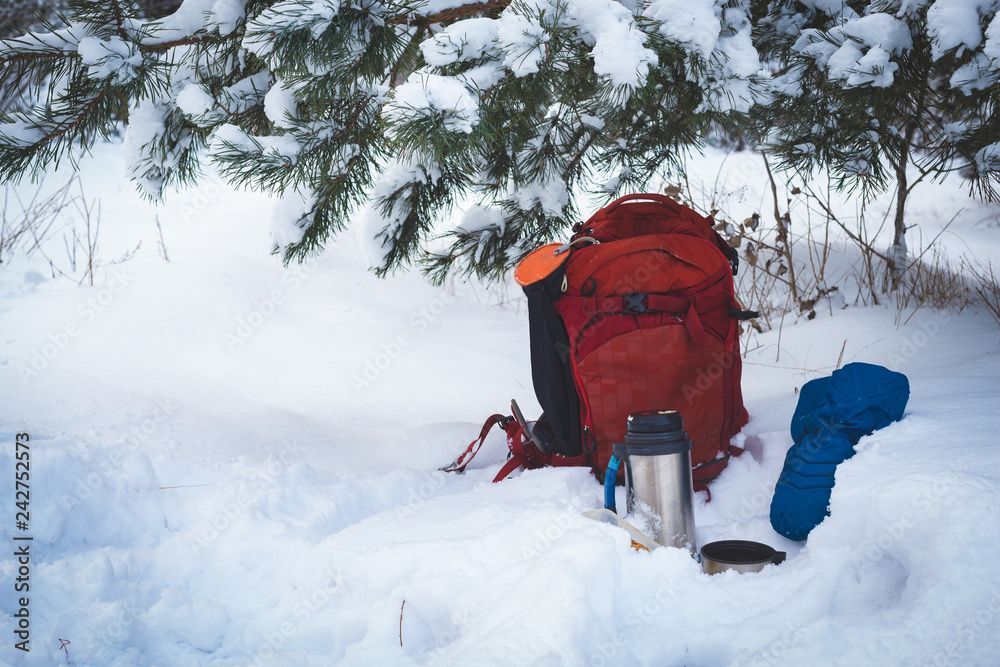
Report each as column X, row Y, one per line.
column 674, row 347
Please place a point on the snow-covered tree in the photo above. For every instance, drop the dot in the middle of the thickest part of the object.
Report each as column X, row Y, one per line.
column 514, row 107
column 415, row 105
column 869, row 89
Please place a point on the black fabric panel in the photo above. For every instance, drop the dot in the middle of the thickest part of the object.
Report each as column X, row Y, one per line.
column 551, row 374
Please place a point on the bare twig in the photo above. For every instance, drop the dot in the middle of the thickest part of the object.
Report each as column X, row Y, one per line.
column 161, row 245
column 401, row 622
column 782, row 222
column 985, row 286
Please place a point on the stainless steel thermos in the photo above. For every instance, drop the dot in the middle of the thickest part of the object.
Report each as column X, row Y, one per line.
column 657, row 459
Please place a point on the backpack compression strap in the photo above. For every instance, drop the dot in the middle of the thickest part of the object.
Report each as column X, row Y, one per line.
column 465, row 458
column 636, row 304
column 523, row 453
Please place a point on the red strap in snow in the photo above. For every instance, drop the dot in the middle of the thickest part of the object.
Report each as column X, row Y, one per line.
column 512, row 464
column 706, row 472
column 458, row 465
column 523, row 453
column 703, row 486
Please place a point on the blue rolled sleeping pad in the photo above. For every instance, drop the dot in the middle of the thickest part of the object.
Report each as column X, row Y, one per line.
column 832, row 414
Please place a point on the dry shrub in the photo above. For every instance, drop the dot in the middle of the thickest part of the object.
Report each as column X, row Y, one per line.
column 984, row 285
column 66, row 218
column 800, row 216
column 931, row 280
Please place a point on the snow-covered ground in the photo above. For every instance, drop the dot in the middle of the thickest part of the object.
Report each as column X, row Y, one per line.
column 235, row 463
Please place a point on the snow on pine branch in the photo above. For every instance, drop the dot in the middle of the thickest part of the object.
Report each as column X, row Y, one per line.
column 617, row 44
column 192, row 18
column 114, row 58
column 956, row 24
column 395, row 198
column 64, row 41
column 312, row 16
column 418, row 104
column 694, row 25
column 518, row 39
column 491, row 238
column 619, row 48
column 550, row 195
column 281, row 161
column 480, row 229
column 291, row 217
column 230, row 141
column 433, row 97
column 866, row 49
column 468, row 39
column 988, row 158
column 859, row 51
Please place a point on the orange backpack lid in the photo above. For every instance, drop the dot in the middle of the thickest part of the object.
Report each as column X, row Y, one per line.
column 540, row 263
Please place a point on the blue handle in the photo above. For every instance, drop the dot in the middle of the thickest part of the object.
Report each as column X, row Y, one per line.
column 610, row 477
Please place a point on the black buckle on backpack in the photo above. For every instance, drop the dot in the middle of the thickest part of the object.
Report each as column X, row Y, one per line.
column 636, row 303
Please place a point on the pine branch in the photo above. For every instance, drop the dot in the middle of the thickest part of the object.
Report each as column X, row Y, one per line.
column 119, row 14
column 449, row 15
column 197, row 39
column 553, row 100
column 17, row 157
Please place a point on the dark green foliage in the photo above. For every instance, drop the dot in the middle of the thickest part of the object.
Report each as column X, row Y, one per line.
column 865, row 133
column 525, row 128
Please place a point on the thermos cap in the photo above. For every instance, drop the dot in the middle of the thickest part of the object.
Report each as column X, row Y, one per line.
column 652, row 433
column 654, row 421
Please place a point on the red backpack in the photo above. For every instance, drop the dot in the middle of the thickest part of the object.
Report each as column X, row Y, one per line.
column 637, row 312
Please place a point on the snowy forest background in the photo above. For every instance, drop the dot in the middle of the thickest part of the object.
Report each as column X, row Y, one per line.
column 254, row 292
column 523, row 108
